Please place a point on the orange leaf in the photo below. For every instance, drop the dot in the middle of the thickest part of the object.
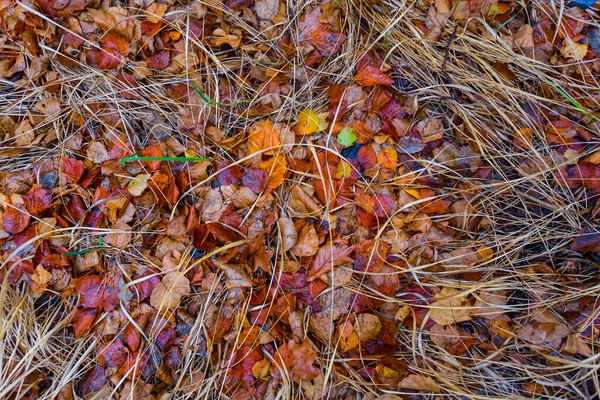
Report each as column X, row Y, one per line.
column 260, row 369
column 263, row 136
column 388, row 158
column 276, row 168
column 348, row 338
column 370, row 76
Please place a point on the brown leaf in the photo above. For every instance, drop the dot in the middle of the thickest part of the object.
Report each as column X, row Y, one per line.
column 173, row 286
column 120, row 236
column 289, row 236
column 329, row 256
column 419, row 382
column 236, row 276
column 304, row 357
column 308, row 242
column 155, row 12
column 451, row 307
column 367, row 326
column 266, row 9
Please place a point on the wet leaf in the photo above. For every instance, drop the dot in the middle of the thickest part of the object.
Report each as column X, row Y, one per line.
column 371, row 75
column 15, row 219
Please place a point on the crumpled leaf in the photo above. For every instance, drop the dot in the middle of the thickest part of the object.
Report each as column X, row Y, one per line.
column 308, row 242
column 288, row 233
column 173, row 286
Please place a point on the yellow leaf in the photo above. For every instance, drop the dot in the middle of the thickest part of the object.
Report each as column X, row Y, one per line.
column 573, row 50
column 260, row 369
column 343, row 170
column 308, row 123
column 263, row 136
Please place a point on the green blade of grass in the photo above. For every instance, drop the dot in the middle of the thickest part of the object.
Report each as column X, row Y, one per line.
column 571, row 100
column 79, row 253
column 182, row 159
column 216, row 103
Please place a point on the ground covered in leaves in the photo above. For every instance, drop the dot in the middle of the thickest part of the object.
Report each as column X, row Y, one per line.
column 315, row 200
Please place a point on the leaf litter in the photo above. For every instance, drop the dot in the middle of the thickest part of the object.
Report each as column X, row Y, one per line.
column 340, row 200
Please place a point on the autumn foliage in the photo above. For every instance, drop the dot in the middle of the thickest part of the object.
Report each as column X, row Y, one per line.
column 248, row 199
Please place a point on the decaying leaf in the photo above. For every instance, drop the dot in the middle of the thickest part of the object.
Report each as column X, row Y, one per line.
column 451, row 307
column 172, row 287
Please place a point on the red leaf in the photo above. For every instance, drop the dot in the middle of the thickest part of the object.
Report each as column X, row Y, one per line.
column 583, row 174
column 255, row 179
column 326, row 41
column 38, row 200
column 60, row 8
column 229, row 174
column 371, row 75
column 98, row 291
column 160, row 60
column 587, row 241
column 103, row 58
column 113, row 354
column 329, row 256
column 304, row 357
column 15, row 219
column 93, row 381
column 367, row 157
column 82, row 321
column 203, row 238
column 115, row 42
column 73, row 169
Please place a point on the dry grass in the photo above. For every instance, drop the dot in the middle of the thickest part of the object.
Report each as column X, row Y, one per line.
column 531, row 220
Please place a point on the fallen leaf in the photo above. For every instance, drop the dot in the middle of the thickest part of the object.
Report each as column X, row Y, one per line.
column 388, row 158
column 347, row 337
column 308, row 242
column 276, row 168
column 419, row 382
column 260, row 369
column 47, row 106
column 288, row 233
column 371, row 75
column 236, row 276
column 263, row 137
column 450, row 307
column 167, row 295
column 138, row 184
column 266, row 9
column 304, row 355
column 573, row 50
column 346, row 137
column 587, row 241
column 15, row 219
column 308, row 123
column 367, row 326
column 155, row 12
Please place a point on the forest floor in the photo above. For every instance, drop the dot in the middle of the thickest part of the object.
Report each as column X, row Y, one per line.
column 315, row 200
